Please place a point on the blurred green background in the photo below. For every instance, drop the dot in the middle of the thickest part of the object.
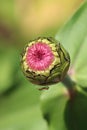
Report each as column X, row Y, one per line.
column 21, row 21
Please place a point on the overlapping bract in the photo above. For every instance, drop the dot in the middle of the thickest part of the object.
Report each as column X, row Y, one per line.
column 55, row 71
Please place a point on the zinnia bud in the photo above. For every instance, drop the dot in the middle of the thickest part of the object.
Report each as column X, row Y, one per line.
column 45, row 61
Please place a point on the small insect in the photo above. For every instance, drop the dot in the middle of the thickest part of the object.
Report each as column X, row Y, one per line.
column 45, row 62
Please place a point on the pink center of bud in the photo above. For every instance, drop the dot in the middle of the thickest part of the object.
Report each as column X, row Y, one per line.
column 39, row 56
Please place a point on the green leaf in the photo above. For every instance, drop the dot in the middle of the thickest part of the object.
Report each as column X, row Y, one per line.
column 62, row 113
column 74, row 38
column 76, row 112
column 21, row 110
column 9, row 68
column 53, row 102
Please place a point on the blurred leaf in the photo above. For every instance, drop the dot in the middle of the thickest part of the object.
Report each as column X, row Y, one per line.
column 20, row 110
column 53, row 105
column 76, row 112
column 62, row 113
column 74, row 37
column 9, row 66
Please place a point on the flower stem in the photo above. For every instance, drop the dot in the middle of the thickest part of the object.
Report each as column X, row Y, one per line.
column 70, row 85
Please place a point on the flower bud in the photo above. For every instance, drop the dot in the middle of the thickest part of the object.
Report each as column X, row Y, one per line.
column 45, row 61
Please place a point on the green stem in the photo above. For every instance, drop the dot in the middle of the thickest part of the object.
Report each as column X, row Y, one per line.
column 70, row 85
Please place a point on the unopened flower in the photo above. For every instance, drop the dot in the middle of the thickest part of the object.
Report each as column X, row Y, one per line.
column 45, row 61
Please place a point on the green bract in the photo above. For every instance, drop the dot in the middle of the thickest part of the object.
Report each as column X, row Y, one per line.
column 56, row 69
